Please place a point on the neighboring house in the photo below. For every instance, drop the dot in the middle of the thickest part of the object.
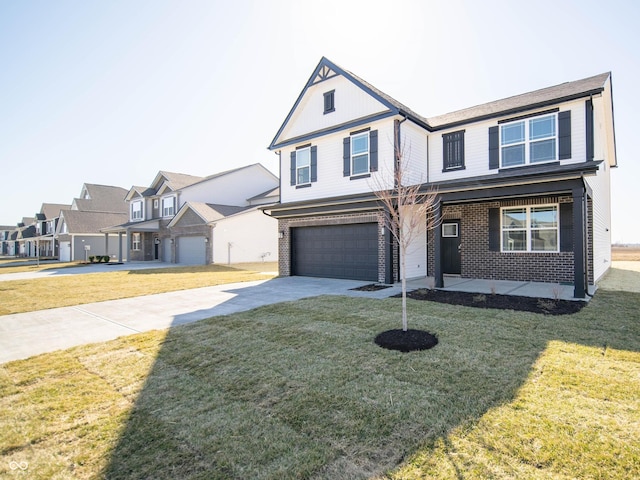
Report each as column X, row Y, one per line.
column 25, row 236
column 79, row 228
column 7, row 245
column 523, row 183
column 200, row 220
column 46, row 222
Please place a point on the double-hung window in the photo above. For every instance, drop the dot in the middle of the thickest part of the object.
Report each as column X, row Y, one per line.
column 303, row 166
column 135, row 241
column 136, row 210
column 168, row 206
column 360, row 153
column 528, row 141
column 530, row 229
column 453, row 150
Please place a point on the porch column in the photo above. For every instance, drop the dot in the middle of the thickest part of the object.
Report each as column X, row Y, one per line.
column 106, row 244
column 128, row 245
column 437, row 247
column 120, row 247
column 579, row 287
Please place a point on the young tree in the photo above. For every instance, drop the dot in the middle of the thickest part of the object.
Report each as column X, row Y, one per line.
column 409, row 210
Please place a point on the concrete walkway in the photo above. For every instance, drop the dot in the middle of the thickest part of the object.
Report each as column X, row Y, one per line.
column 25, row 334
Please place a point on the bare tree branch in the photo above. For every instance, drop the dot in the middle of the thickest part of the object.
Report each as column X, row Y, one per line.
column 409, row 209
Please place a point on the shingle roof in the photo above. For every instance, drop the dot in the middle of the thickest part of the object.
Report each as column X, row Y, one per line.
column 176, row 181
column 103, row 198
column 564, row 91
column 91, row 222
column 52, row 210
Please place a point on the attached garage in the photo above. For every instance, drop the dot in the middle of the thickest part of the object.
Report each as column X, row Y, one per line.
column 336, row 251
column 65, row 251
column 191, row 250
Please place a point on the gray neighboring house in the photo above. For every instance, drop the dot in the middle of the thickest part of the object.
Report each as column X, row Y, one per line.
column 44, row 242
column 25, row 233
column 193, row 220
column 79, row 228
column 7, row 244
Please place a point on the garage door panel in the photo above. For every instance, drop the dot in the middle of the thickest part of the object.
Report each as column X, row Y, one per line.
column 191, row 251
column 336, row 251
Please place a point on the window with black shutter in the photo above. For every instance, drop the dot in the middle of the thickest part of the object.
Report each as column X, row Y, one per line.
column 453, row 151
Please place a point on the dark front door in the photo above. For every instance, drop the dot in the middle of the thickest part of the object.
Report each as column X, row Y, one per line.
column 451, row 259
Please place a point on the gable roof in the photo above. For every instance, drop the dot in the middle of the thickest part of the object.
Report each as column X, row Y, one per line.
column 102, row 198
column 208, row 212
column 175, row 181
column 91, row 222
column 52, row 210
column 527, row 101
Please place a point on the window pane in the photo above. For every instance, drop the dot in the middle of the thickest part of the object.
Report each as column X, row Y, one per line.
column 513, row 155
column 360, row 164
column 303, row 157
column 543, row 151
column 544, row 217
column 360, row 144
column 515, row 240
column 303, row 175
column 542, row 127
column 450, row 230
column 512, row 133
column 544, row 240
column 514, row 218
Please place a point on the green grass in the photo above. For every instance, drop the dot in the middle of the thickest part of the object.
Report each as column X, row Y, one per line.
column 299, row 390
column 18, row 296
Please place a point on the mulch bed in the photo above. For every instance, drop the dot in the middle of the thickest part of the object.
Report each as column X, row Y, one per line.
column 408, row 341
column 544, row 306
column 372, row 287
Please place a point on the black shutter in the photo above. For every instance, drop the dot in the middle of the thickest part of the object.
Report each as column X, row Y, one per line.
column 314, row 163
column 494, row 148
column 494, row 229
column 564, row 134
column 588, row 107
column 346, row 156
column 373, row 151
column 293, row 167
column 566, row 227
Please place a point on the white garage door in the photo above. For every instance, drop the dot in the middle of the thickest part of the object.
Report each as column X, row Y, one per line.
column 191, row 250
column 65, row 251
column 166, row 250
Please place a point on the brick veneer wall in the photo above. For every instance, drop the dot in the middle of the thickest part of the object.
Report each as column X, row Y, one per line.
column 479, row 262
column 285, row 225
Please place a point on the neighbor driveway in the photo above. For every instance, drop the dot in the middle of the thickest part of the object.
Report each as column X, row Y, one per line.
column 25, row 334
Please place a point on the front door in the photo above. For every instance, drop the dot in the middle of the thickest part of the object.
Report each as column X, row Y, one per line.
column 451, row 246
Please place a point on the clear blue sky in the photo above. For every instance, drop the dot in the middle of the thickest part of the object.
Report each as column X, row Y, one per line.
column 111, row 92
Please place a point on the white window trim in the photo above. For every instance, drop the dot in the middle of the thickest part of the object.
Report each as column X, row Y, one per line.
column 303, row 167
column 132, row 216
column 173, row 206
column 528, row 229
column 368, row 153
column 527, row 142
column 455, row 235
column 136, row 244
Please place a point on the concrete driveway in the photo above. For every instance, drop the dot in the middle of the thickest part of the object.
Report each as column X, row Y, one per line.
column 26, row 334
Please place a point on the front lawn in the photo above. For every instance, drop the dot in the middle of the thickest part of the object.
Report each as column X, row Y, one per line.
column 299, row 390
column 17, row 296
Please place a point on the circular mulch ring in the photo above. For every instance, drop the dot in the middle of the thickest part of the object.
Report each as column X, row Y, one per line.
column 408, row 341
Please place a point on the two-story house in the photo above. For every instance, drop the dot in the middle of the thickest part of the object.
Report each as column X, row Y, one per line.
column 523, row 183
column 79, row 228
column 7, row 244
column 187, row 219
column 46, row 222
